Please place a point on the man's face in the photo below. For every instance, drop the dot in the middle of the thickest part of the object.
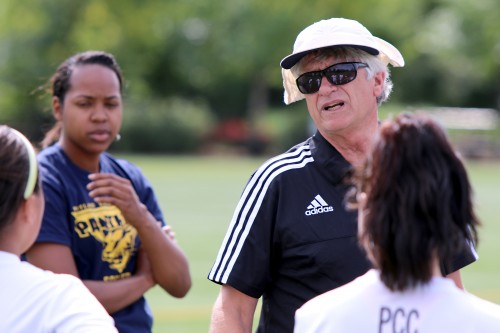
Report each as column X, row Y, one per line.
column 340, row 109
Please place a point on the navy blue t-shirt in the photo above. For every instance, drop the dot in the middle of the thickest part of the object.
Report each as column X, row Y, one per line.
column 103, row 244
column 291, row 237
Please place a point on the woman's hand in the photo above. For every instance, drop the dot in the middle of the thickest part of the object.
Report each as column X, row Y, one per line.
column 118, row 191
column 169, row 232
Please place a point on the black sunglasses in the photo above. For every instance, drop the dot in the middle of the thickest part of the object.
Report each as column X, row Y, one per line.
column 338, row 74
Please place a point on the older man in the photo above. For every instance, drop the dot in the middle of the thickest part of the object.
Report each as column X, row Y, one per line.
column 291, row 237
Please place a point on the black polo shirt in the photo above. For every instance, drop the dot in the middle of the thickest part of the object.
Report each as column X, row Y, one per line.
column 291, row 237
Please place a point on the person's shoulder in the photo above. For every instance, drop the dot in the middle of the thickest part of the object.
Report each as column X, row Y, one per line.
column 31, row 272
column 124, row 163
column 322, row 313
column 300, row 146
column 487, row 308
column 44, row 279
column 68, row 287
column 35, row 272
column 472, row 314
column 60, row 302
column 77, row 309
column 50, row 155
column 295, row 157
column 119, row 163
column 339, row 297
column 55, row 166
column 469, row 312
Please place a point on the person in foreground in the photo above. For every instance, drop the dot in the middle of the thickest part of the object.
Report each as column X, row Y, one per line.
column 102, row 221
column 34, row 300
column 291, row 238
column 414, row 210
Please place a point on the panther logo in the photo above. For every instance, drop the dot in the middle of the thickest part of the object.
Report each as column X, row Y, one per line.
column 106, row 224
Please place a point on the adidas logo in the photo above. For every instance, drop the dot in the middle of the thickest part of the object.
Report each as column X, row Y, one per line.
column 318, row 206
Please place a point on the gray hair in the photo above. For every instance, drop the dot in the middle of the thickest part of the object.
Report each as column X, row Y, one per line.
column 375, row 65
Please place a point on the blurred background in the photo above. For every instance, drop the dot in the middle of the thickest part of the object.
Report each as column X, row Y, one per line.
column 203, row 86
column 204, row 76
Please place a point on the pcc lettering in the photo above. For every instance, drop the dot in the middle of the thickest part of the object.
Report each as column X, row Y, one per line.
column 398, row 320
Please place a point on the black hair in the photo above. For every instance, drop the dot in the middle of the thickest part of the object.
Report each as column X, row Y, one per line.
column 418, row 201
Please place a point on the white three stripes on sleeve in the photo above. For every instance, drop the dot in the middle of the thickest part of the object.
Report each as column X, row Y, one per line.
column 248, row 207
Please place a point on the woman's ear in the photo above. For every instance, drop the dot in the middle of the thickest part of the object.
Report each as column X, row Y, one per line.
column 57, row 108
column 31, row 210
column 30, row 215
column 25, row 211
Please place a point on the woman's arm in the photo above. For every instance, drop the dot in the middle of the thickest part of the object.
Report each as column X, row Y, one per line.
column 113, row 295
column 168, row 263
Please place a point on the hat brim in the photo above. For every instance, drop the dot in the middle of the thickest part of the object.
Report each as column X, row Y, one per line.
column 290, row 60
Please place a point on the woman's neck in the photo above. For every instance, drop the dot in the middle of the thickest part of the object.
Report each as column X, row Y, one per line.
column 84, row 160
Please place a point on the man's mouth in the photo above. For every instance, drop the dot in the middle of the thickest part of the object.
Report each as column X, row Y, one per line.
column 334, row 106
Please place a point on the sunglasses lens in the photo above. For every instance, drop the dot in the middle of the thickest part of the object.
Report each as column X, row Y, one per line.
column 341, row 74
column 309, row 83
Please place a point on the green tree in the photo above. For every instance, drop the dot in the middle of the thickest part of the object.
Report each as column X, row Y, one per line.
column 224, row 54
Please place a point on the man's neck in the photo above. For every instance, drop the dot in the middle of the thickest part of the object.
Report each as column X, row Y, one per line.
column 354, row 145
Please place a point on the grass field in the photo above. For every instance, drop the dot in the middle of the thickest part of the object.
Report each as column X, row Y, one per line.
column 198, row 195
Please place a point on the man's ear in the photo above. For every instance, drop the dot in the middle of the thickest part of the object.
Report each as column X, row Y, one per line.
column 57, row 108
column 379, row 80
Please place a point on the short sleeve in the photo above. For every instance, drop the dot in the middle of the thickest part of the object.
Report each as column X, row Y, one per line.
column 55, row 224
column 245, row 257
